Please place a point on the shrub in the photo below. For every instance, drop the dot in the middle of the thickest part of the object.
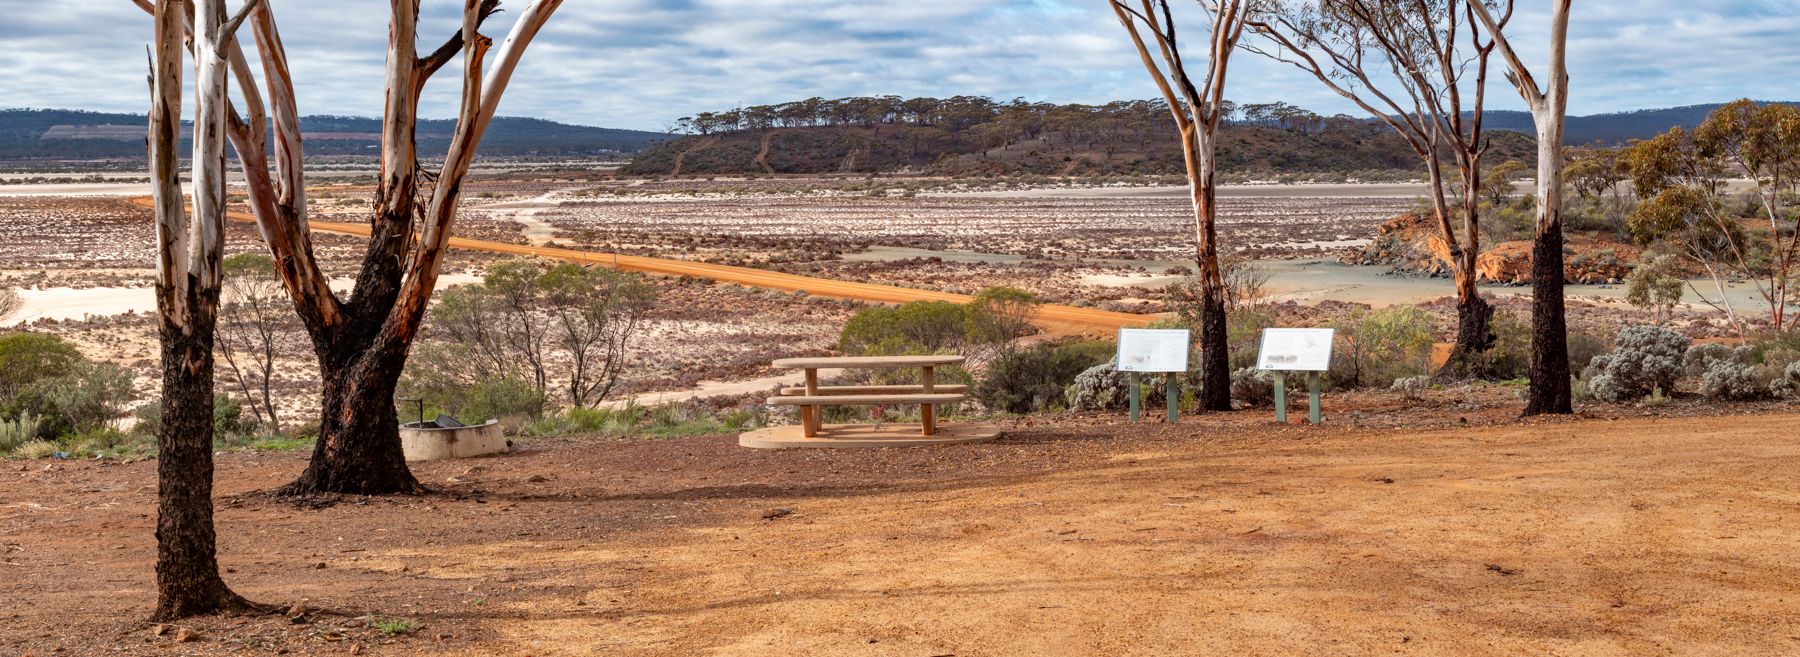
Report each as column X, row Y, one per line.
column 509, row 399
column 1699, row 358
column 1646, row 358
column 1656, row 285
column 1788, row 384
column 1033, row 379
column 1732, row 380
column 1252, row 386
column 19, row 431
column 1412, row 387
column 1104, row 388
column 979, row 330
column 26, row 358
column 1510, row 357
column 1383, row 345
column 37, row 449
column 228, row 418
column 1585, row 345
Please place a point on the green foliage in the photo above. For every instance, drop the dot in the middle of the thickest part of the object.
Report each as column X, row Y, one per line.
column 27, row 358
column 249, row 264
column 1033, row 379
column 82, row 397
column 17, row 432
column 979, row 330
column 508, row 399
column 664, row 421
column 1376, row 347
column 1656, row 285
column 393, row 626
column 563, row 330
column 228, row 418
column 1510, row 357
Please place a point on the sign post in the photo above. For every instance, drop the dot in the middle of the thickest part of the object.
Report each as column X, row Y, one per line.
column 1154, row 350
column 1296, row 350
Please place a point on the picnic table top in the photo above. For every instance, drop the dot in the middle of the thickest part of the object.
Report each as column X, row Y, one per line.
column 867, row 361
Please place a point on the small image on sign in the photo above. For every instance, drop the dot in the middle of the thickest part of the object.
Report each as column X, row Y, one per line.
column 1295, row 350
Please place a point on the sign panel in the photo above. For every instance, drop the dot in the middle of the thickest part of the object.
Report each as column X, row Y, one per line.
column 1153, row 350
column 1295, row 350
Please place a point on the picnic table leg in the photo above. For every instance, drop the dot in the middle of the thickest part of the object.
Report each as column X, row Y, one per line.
column 810, row 415
column 928, row 412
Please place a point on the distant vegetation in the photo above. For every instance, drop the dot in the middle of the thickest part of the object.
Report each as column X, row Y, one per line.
column 28, row 134
column 972, row 135
column 969, row 135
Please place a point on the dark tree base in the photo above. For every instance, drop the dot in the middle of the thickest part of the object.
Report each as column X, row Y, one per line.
column 358, row 451
column 1215, row 353
column 1550, row 391
column 1474, row 337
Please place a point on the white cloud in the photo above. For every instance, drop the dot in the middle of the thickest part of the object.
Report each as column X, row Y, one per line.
column 643, row 63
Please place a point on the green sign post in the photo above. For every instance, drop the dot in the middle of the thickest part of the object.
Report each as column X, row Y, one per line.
column 1153, row 350
column 1296, row 350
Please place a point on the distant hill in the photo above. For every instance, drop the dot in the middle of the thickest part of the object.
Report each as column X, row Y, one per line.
column 972, row 135
column 1615, row 128
column 31, row 134
column 976, row 135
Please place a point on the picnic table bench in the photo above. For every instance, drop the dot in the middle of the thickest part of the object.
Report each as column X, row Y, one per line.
column 812, row 397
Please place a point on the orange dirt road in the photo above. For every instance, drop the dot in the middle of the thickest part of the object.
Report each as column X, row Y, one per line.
column 1053, row 318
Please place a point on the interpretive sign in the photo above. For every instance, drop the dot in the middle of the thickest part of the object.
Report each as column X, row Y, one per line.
column 1153, row 350
column 1295, row 350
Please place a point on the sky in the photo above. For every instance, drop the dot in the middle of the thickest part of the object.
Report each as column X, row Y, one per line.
column 645, row 63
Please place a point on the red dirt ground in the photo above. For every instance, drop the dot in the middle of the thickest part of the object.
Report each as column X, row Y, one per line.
column 1224, row 535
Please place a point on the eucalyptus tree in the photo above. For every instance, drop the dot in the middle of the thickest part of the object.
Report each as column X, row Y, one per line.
column 1420, row 67
column 189, row 277
column 1197, row 110
column 1550, row 390
column 362, row 342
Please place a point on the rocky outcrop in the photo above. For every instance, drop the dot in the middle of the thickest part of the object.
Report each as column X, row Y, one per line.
column 1411, row 244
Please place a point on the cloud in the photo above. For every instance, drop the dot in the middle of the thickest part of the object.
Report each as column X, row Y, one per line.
column 644, row 63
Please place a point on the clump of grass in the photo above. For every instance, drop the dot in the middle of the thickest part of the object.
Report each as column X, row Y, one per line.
column 663, row 421
column 394, row 626
column 36, row 449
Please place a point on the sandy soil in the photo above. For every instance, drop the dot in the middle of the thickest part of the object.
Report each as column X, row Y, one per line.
column 1224, row 535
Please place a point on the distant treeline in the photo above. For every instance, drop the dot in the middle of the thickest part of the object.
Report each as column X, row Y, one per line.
column 971, row 135
column 33, row 134
column 959, row 113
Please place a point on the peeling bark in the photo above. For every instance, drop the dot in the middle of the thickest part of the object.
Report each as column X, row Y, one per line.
column 190, row 252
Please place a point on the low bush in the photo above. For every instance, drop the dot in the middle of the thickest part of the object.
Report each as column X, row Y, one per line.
column 1645, row 359
column 1034, row 379
column 1379, row 346
column 1253, row 387
column 16, row 432
column 1412, row 387
column 1732, row 380
column 1788, row 384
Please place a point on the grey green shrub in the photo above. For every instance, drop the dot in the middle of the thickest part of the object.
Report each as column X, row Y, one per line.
column 1644, row 359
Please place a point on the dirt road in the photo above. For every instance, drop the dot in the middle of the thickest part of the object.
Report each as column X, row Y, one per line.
column 1054, row 318
column 1225, row 535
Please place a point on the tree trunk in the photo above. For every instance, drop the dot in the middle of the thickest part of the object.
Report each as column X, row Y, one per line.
column 187, row 570
column 1215, row 349
column 358, row 451
column 1550, row 391
column 1474, row 331
column 189, row 252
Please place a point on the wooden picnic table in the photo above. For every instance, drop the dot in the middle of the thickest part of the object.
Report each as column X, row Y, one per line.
column 813, row 396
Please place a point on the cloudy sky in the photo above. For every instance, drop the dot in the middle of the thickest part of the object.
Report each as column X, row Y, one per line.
column 643, row 63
